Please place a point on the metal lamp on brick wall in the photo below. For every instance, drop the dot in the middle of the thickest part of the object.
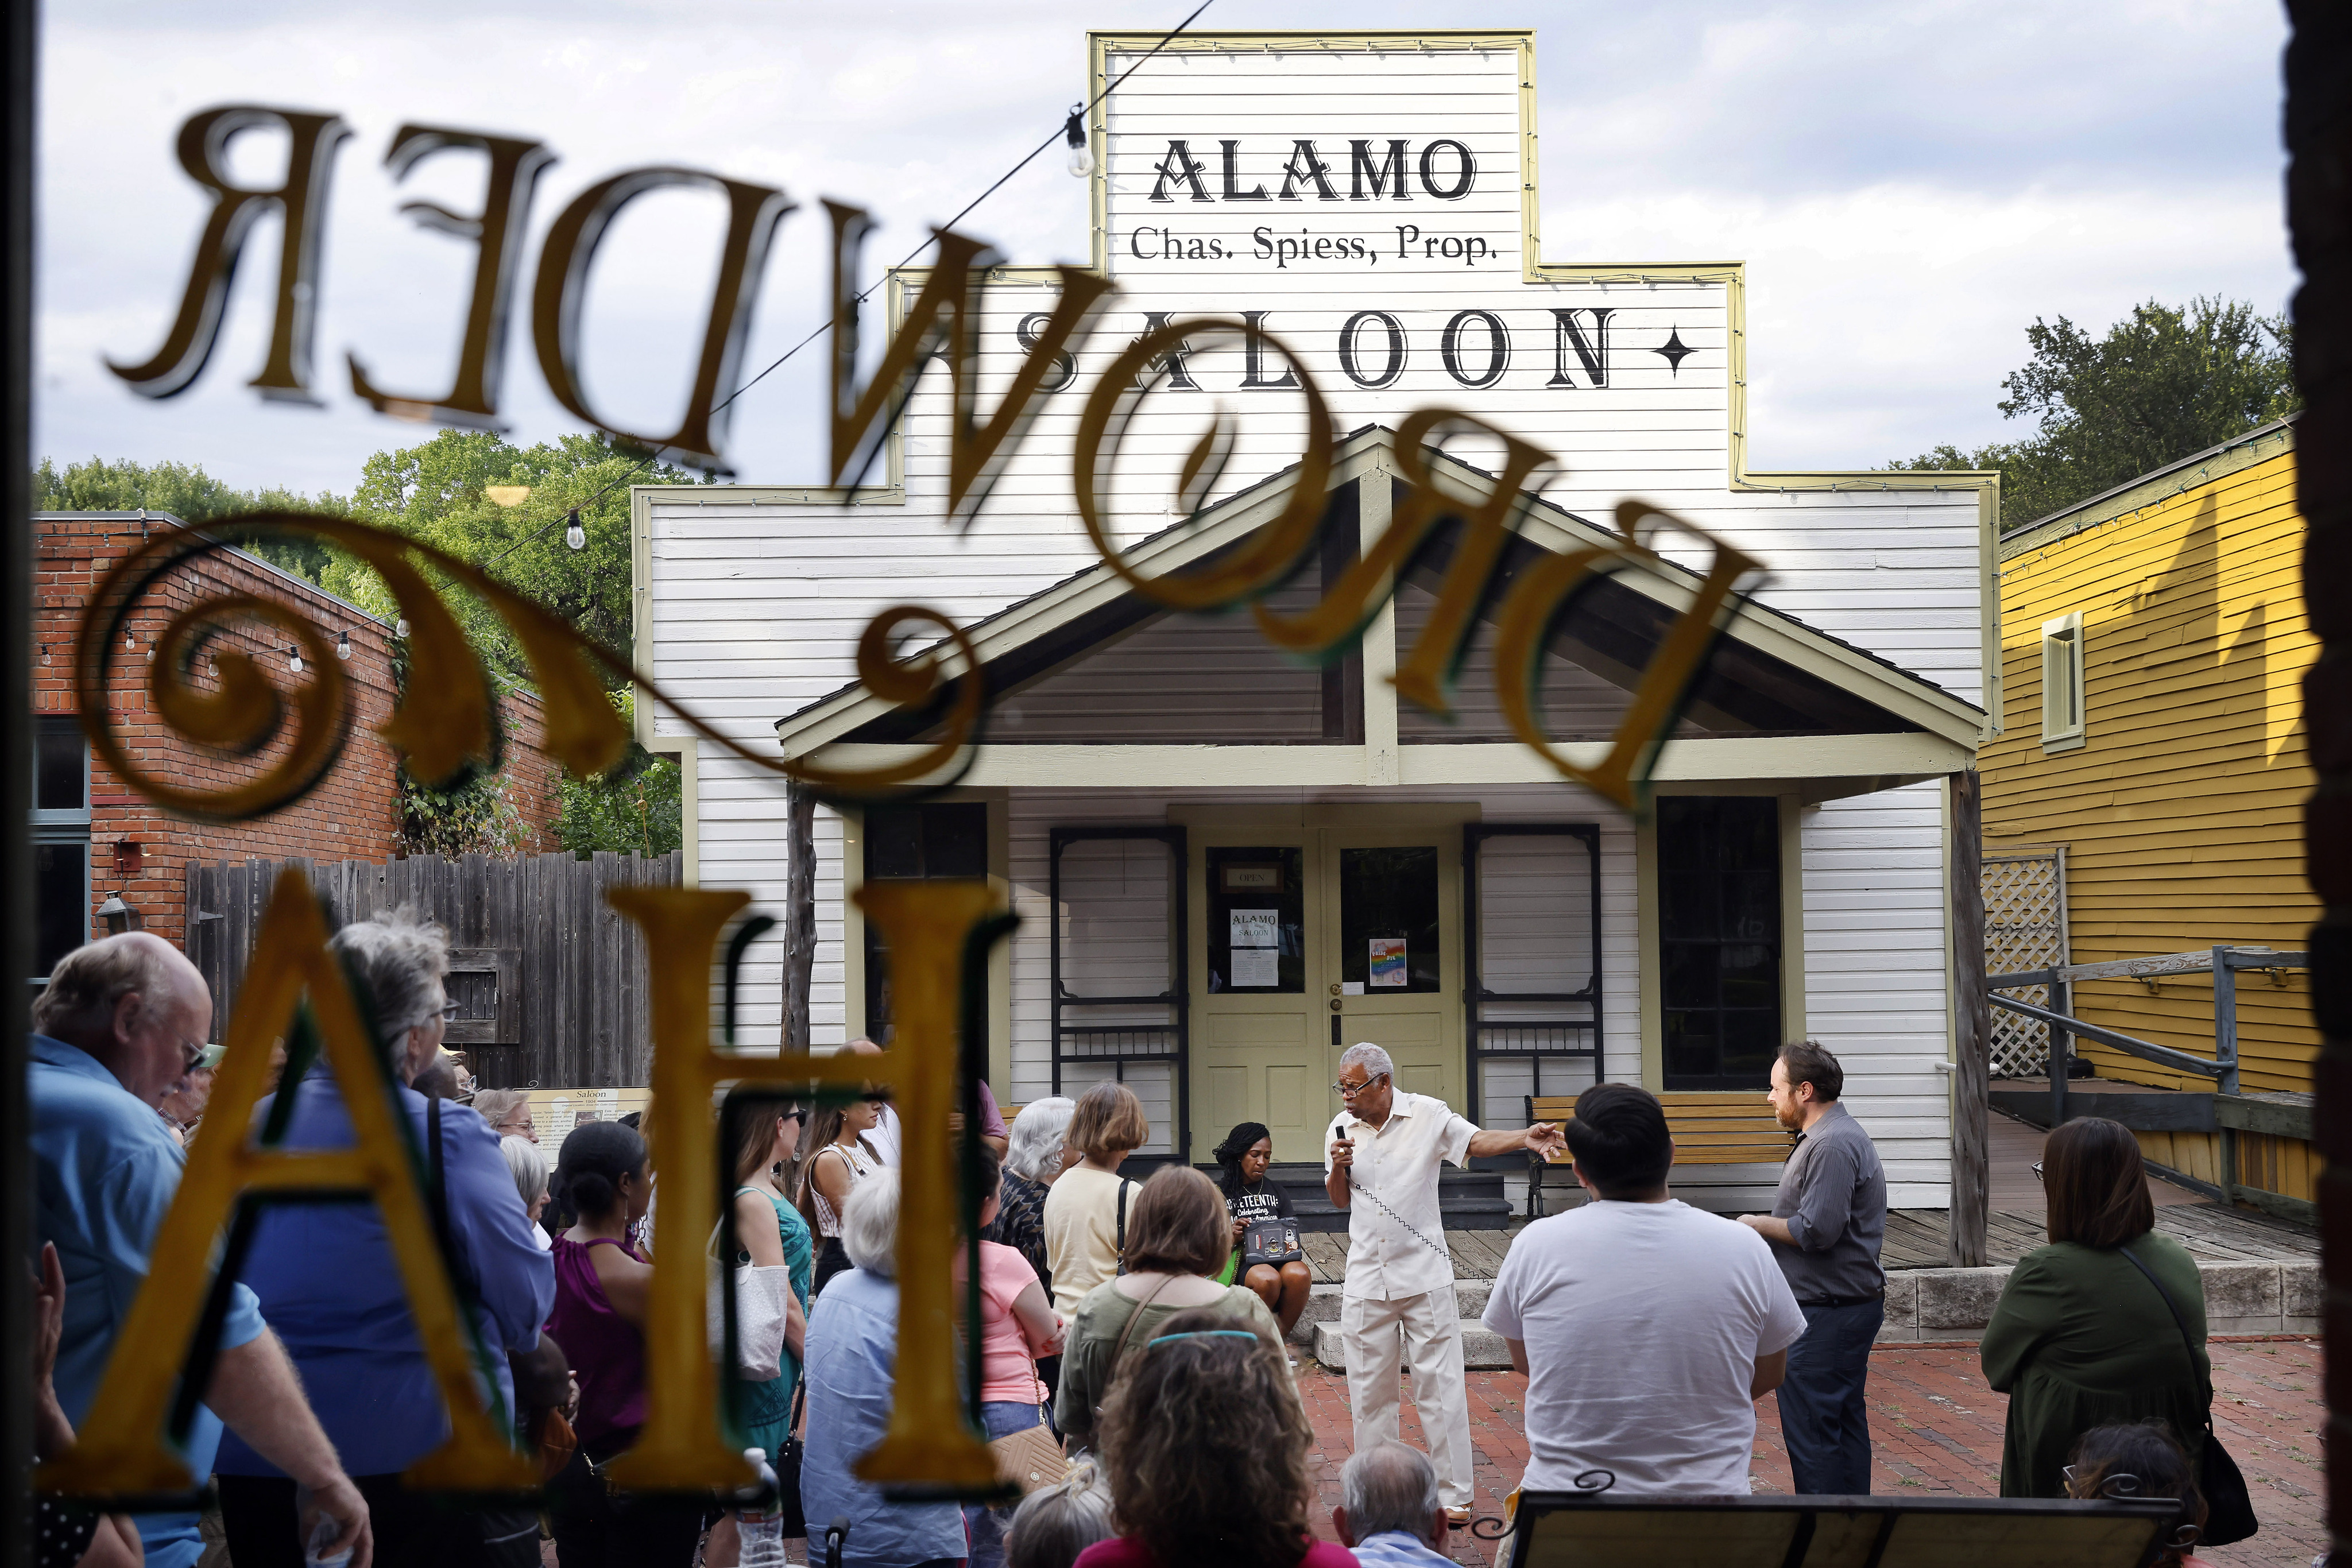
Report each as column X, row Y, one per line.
column 118, row 916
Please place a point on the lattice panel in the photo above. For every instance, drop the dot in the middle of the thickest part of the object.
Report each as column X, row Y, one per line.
column 2025, row 928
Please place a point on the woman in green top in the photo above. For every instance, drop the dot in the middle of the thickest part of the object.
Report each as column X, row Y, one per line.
column 1178, row 1238
column 2082, row 1337
column 768, row 1233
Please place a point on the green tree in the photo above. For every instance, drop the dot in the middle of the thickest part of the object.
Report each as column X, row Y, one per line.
column 438, row 494
column 189, row 494
column 2163, row 383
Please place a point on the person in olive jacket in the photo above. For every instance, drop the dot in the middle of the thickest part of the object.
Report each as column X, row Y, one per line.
column 2083, row 1336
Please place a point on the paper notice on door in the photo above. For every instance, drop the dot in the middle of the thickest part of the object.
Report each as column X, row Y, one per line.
column 1260, row 967
column 1351, row 987
column 1256, row 928
column 1388, row 962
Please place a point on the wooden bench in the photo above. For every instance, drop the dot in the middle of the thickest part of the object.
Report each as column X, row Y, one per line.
column 1733, row 1127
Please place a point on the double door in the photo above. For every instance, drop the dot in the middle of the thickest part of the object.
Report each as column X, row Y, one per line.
column 1309, row 939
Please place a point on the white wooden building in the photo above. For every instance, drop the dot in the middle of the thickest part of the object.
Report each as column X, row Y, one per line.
column 1267, row 860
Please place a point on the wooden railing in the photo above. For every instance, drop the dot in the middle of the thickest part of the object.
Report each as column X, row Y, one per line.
column 2223, row 962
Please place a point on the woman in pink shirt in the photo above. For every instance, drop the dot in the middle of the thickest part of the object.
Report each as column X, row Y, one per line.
column 1207, row 1446
column 1017, row 1325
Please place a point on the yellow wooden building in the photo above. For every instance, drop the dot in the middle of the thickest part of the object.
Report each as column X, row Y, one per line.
column 2153, row 644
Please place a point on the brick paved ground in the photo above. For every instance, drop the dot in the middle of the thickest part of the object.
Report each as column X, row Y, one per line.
column 1937, row 1428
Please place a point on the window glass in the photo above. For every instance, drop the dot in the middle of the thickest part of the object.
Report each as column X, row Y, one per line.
column 915, row 843
column 1388, row 919
column 60, row 767
column 60, row 902
column 1719, row 939
column 1257, row 921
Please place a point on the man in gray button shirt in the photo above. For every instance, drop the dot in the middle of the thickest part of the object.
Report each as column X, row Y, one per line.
column 1825, row 1229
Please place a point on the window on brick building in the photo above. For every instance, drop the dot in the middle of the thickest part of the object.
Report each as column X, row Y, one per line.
column 61, row 895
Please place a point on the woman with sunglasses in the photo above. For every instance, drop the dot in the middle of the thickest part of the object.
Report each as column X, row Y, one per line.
column 761, row 1135
column 839, row 1158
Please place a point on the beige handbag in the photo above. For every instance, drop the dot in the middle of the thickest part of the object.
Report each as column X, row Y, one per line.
column 1031, row 1459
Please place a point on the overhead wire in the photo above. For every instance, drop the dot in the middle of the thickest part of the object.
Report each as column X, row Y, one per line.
column 572, row 515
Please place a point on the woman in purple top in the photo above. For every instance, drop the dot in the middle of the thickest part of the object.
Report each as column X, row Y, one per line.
column 603, row 1287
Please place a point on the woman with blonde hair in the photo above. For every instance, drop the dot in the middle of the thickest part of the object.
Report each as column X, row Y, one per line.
column 1086, row 1213
column 1178, row 1239
column 1207, row 1446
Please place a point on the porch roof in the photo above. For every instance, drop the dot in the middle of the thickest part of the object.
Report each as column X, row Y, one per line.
column 1819, row 686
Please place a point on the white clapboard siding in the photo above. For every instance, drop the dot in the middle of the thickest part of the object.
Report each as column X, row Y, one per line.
column 1875, row 936
column 756, row 608
column 753, row 606
column 1876, row 942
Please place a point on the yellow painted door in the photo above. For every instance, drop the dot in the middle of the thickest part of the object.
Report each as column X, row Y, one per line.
column 1258, row 1051
column 1390, row 952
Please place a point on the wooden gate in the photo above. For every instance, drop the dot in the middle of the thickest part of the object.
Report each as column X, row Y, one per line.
column 550, row 980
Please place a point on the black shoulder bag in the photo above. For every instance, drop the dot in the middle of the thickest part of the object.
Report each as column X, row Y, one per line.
column 1121, row 1241
column 2230, row 1512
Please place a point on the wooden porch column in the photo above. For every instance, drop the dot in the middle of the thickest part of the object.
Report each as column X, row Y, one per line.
column 800, row 913
column 1972, row 1027
column 2319, row 218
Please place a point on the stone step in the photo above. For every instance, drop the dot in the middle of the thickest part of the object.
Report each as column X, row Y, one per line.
column 1482, row 1347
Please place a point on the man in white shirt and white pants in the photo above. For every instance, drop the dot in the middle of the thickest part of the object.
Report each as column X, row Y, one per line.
column 1384, row 1148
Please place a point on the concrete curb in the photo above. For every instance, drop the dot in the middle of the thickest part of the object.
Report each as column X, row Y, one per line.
column 1924, row 1306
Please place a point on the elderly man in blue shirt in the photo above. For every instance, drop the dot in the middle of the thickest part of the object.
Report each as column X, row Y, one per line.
column 117, row 1026
column 325, row 1275
column 1389, row 1514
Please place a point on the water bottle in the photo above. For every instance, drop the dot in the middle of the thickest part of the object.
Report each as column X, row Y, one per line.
column 757, row 1521
column 318, row 1551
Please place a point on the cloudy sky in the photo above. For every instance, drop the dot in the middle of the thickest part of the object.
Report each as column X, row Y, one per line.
column 1911, row 180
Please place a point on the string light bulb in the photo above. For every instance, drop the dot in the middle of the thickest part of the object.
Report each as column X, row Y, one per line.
column 343, row 644
column 129, row 641
column 294, row 658
column 400, row 627
column 573, row 534
column 1074, row 131
column 46, row 658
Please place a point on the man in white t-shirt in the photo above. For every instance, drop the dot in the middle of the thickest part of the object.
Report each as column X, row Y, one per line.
column 1646, row 1329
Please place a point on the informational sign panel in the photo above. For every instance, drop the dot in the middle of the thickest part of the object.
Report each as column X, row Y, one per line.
column 1388, row 962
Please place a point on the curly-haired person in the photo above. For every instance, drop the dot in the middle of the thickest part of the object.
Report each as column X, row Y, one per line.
column 1205, row 1443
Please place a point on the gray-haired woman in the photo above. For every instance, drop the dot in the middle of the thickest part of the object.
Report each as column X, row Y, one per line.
column 1036, row 1154
column 1053, row 1524
column 325, row 1276
column 853, row 1347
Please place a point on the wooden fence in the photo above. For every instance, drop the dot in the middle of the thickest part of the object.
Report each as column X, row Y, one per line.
column 550, row 980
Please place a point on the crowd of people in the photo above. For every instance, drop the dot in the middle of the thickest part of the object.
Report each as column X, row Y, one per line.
column 1136, row 1332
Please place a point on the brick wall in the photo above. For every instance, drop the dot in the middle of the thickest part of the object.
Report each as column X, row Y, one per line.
column 142, row 851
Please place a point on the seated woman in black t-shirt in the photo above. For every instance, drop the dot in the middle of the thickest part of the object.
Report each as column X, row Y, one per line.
column 1281, row 1278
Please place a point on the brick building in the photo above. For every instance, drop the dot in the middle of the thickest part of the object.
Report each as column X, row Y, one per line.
column 97, row 837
